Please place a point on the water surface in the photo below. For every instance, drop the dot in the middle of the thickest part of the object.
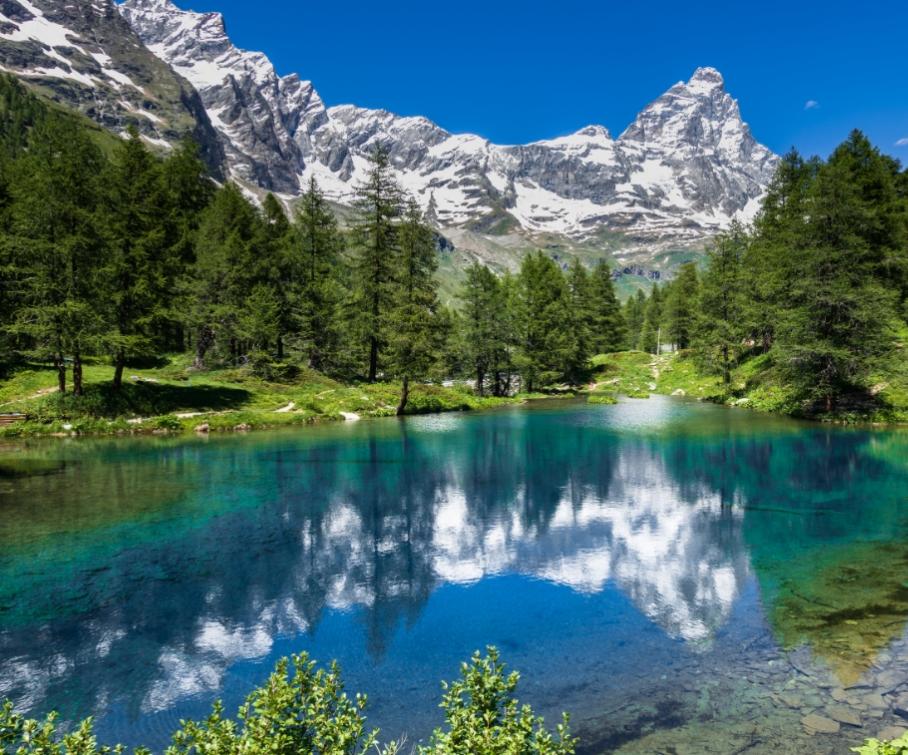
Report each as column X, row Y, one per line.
column 676, row 575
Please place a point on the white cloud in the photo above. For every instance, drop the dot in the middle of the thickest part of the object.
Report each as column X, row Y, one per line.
column 811, row 105
column 903, row 142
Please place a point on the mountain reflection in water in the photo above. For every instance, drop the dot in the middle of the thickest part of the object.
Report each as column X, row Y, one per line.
column 141, row 579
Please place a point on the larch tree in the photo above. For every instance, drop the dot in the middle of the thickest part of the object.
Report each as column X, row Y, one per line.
column 379, row 204
column 413, row 332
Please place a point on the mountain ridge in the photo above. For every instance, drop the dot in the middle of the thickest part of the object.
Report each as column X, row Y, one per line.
column 681, row 171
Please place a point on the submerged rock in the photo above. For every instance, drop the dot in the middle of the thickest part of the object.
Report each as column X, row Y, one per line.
column 820, row 724
column 844, row 715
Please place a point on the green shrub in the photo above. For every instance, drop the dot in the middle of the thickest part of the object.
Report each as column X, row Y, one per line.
column 168, row 422
column 876, row 747
column 303, row 709
column 601, row 398
column 303, row 712
column 483, row 716
column 25, row 736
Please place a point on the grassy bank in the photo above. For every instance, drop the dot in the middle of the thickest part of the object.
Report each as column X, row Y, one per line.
column 171, row 397
column 755, row 384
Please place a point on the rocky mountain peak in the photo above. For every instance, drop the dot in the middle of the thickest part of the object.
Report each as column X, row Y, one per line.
column 84, row 55
column 684, row 168
column 706, row 79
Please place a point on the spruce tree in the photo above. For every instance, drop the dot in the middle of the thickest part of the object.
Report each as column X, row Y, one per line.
column 582, row 324
column 651, row 332
column 634, row 314
column 378, row 202
column 58, row 246
column 273, row 278
column 484, row 325
column 413, row 332
column 223, row 277
column 721, row 328
column 545, row 342
column 610, row 331
column 315, row 261
column 681, row 306
column 838, row 322
column 135, row 268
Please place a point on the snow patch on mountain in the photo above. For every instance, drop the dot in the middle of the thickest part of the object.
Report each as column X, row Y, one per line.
column 681, row 171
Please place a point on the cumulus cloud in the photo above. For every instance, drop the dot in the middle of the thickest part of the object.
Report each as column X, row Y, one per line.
column 811, row 105
column 903, row 142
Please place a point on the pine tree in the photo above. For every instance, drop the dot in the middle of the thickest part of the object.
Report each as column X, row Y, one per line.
column 484, row 321
column 721, row 327
column 273, row 278
column 681, row 306
column 58, row 244
column 315, row 261
column 651, row 333
column 634, row 315
column 134, row 270
column 771, row 261
column 379, row 205
column 582, row 324
column 610, row 331
column 187, row 191
column 224, row 274
column 837, row 324
column 413, row 341
column 544, row 321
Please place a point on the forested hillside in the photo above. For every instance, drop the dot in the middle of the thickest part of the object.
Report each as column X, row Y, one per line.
column 117, row 256
column 805, row 311
column 114, row 256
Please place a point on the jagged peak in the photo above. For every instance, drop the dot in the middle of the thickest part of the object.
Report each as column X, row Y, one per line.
column 158, row 6
column 706, row 77
column 594, row 130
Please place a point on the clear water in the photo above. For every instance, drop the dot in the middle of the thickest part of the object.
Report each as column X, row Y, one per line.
column 681, row 577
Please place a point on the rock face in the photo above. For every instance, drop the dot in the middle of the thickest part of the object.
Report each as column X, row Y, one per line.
column 84, row 55
column 682, row 170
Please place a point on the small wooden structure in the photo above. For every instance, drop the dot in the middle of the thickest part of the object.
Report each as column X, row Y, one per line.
column 12, row 419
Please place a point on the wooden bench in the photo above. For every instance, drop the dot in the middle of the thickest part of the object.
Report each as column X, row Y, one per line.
column 11, row 419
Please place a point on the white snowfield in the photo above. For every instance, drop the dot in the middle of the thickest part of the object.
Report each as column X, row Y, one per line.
column 683, row 169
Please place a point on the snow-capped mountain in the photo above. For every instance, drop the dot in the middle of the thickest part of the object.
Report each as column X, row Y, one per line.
column 682, row 170
column 685, row 167
column 84, row 55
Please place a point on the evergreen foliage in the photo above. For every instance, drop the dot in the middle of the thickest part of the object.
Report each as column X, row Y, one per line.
column 124, row 255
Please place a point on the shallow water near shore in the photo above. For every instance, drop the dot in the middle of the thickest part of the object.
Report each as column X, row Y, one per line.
column 681, row 577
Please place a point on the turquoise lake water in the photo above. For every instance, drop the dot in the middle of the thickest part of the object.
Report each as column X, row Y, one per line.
column 681, row 577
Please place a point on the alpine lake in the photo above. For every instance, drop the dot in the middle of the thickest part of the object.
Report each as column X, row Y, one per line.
column 680, row 577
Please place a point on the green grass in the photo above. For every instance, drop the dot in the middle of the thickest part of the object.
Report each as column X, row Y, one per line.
column 153, row 400
column 756, row 384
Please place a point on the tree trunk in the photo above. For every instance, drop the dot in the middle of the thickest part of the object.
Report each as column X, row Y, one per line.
column 60, row 364
column 373, row 359
column 280, row 348
column 404, row 396
column 202, row 344
column 480, row 381
column 726, row 373
column 119, row 361
column 77, row 374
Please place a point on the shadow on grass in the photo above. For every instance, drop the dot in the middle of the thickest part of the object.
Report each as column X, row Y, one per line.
column 144, row 399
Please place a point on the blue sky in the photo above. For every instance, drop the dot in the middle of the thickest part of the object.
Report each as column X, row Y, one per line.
column 517, row 71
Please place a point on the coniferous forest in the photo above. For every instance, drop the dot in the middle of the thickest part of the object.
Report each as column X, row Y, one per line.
column 113, row 254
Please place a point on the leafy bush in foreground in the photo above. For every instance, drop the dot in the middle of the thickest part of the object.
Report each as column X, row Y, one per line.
column 483, row 717
column 876, row 747
column 302, row 710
